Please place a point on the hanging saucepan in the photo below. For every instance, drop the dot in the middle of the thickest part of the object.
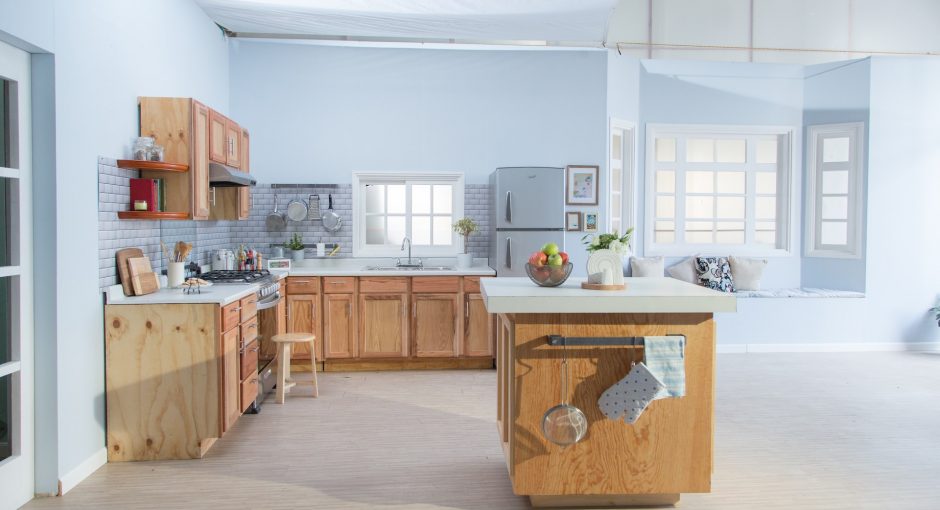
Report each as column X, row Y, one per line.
column 564, row 424
column 297, row 210
column 331, row 220
column 275, row 220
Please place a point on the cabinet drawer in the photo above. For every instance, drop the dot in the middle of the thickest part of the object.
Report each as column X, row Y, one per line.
column 249, row 330
column 435, row 284
column 383, row 284
column 231, row 316
column 249, row 307
column 249, row 392
column 471, row 284
column 339, row 284
column 303, row 285
column 249, row 361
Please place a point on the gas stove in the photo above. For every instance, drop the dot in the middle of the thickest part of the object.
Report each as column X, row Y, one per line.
column 229, row 276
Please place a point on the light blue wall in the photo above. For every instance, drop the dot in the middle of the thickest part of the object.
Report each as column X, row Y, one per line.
column 319, row 113
column 836, row 93
column 902, row 273
column 27, row 24
column 623, row 86
column 687, row 92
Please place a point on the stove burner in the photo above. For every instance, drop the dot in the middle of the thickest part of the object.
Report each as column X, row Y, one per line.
column 229, row 276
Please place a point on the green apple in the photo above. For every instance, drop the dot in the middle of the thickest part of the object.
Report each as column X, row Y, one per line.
column 555, row 260
column 550, row 249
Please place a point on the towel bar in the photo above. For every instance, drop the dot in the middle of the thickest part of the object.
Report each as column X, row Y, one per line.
column 557, row 340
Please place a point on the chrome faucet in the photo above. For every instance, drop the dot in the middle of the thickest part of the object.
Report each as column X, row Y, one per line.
column 409, row 263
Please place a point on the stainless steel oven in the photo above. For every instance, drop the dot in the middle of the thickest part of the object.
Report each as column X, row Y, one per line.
column 271, row 321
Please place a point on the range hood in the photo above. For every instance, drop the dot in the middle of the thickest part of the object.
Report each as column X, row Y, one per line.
column 222, row 176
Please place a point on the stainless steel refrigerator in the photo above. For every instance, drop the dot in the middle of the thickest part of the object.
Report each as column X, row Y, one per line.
column 527, row 210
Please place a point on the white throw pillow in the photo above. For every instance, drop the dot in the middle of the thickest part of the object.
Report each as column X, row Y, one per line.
column 747, row 272
column 685, row 270
column 647, row 266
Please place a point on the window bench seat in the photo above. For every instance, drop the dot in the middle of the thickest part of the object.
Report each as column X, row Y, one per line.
column 808, row 292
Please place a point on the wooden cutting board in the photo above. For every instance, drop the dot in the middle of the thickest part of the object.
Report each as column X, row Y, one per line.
column 124, row 272
column 143, row 279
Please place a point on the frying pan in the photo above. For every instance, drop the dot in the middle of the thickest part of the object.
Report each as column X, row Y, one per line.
column 275, row 220
column 297, row 210
column 331, row 220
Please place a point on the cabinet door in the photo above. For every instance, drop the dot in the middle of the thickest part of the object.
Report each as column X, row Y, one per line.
column 383, row 325
column 303, row 316
column 200, row 161
column 339, row 328
column 231, row 385
column 435, row 320
column 478, row 327
column 218, row 146
column 233, row 137
column 244, row 197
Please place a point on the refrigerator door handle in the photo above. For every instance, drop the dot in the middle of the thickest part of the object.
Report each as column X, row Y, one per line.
column 509, row 206
column 509, row 252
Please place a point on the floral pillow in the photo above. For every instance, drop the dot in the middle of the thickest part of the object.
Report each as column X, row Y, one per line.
column 714, row 273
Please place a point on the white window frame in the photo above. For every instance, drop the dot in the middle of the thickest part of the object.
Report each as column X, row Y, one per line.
column 785, row 192
column 627, row 189
column 855, row 132
column 361, row 179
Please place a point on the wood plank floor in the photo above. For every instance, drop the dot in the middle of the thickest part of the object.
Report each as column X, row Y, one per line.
column 809, row 431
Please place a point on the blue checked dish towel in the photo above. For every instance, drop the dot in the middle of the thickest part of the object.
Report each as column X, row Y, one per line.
column 664, row 356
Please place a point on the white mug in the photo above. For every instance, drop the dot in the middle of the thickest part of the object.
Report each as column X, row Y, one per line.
column 174, row 274
column 321, row 249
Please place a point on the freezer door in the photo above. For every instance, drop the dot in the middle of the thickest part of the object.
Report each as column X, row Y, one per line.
column 530, row 198
column 513, row 249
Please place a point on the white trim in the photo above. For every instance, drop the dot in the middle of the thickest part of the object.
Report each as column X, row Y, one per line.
column 10, row 173
column 628, row 188
column 829, row 347
column 9, row 368
column 785, row 192
column 9, row 271
column 855, row 131
column 359, row 248
column 82, row 471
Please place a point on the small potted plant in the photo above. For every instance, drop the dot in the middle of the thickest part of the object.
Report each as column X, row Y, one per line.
column 296, row 246
column 465, row 227
column 605, row 264
column 936, row 311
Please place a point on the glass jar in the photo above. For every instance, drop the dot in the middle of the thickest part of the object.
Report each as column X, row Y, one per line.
column 142, row 148
column 156, row 153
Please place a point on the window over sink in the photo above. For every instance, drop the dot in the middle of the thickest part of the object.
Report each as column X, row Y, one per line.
column 388, row 207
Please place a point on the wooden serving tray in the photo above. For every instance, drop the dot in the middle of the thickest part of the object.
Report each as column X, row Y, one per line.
column 601, row 286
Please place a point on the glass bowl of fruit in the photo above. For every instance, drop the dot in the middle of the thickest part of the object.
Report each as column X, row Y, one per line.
column 548, row 267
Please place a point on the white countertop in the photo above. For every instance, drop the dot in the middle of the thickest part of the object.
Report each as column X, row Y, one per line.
column 642, row 295
column 226, row 293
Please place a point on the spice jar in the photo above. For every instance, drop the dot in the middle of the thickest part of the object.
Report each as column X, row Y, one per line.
column 140, row 205
column 142, row 148
column 156, row 153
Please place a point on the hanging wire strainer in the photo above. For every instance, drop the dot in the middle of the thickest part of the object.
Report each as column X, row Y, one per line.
column 564, row 424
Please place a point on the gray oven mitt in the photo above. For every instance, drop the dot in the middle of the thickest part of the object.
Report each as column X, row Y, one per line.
column 630, row 396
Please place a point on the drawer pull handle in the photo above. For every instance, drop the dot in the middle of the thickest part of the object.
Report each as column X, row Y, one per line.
column 300, row 281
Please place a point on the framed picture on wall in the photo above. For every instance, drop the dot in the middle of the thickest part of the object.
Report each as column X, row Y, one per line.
column 581, row 185
column 573, row 221
column 590, row 222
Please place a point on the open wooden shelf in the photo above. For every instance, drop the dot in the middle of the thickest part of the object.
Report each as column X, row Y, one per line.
column 152, row 215
column 161, row 166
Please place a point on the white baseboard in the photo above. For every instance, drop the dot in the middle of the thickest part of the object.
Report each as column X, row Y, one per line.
column 82, row 471
column 830, row 347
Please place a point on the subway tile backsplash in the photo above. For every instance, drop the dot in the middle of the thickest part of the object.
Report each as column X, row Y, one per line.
column 206, row 236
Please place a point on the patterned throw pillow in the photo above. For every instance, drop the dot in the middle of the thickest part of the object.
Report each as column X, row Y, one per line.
column 714, row 273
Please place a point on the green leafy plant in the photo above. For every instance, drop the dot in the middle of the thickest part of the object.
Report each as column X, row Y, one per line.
column 465, row 227
column 296, row 242
column 936, row 311
column 615, row 242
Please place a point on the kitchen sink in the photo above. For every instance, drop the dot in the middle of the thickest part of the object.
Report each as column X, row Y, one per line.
column 401, row 268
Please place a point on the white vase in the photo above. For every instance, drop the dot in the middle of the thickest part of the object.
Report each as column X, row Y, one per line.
column 297, row 255
column 464, row 259
column 605, row 267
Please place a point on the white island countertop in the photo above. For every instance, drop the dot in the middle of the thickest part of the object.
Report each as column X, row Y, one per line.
column 642, row 295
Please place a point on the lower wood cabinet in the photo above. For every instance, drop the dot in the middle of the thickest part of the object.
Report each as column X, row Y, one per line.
column 478, row 327
column 435, row 324
column 383, row 325
column 231, row 384
column 303, row 316
column 339, row 326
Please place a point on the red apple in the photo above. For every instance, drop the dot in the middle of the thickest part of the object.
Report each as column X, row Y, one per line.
column 564, row 257
column 538, row 259
column 542, row 273
column 557, row 273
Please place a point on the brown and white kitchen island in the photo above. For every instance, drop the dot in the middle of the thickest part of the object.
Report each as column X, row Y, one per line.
column 667, row 451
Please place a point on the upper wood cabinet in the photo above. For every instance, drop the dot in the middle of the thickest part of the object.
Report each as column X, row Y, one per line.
column 218, row 137
column 436, row 327
column 233, row 137
column 383, row 325
column 200, row 161
column 244, row 194
column 339, row 326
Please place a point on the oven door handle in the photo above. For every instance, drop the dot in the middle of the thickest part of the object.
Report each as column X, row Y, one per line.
column 270, row 302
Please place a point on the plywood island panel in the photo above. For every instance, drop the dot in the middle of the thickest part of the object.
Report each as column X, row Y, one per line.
column 163, row 381
column 668, row 451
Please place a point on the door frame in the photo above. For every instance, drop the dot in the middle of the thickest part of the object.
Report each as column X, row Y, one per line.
column 628, row 197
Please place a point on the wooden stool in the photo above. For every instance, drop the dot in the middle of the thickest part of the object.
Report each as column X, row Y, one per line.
column 284, row 344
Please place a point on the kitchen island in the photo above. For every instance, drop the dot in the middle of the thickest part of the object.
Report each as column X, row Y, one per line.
column 667, row 451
